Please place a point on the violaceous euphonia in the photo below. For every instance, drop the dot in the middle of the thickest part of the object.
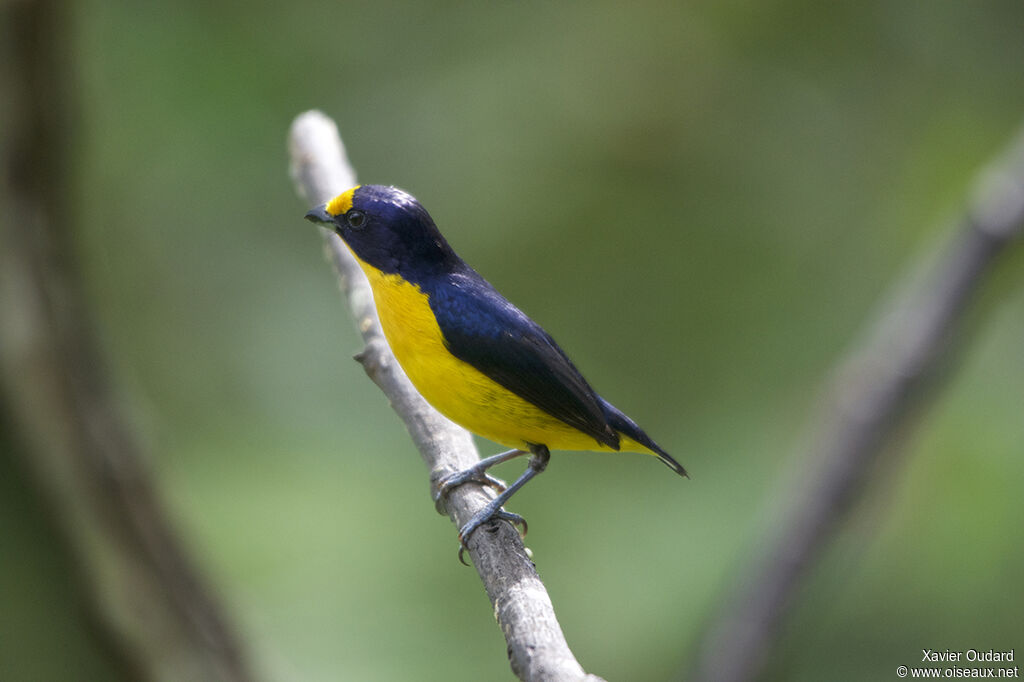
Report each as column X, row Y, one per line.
column 473, row 355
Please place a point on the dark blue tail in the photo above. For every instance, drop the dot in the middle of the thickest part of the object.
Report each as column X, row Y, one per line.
column 627, row 427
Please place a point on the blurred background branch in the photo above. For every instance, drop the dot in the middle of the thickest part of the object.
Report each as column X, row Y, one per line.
column 62, row 419
column 537, row 649
column 873, row 403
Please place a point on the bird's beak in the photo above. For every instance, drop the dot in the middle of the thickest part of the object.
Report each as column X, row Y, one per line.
column 320, row 215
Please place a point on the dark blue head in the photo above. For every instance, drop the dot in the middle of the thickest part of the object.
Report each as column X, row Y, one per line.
column 388, row 229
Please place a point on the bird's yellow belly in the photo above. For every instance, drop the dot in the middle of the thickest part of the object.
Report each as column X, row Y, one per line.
column 455, row 388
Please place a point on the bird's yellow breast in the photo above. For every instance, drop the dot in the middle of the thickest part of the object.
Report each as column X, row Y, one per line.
column 455, row 388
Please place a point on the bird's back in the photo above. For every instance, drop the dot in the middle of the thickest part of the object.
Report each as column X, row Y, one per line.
column 505, row 378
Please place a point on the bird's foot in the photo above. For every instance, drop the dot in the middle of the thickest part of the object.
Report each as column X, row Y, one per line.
column 474, row 474
column 492, row 511
column 484, row 516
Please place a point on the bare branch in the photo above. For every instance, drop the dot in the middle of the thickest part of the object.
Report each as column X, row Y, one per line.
column 536, row 646
column 874, row 398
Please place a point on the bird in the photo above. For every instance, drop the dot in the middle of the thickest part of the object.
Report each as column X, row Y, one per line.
column 473, row 355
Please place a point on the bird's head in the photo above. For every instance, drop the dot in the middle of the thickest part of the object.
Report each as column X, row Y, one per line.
column 387, row 229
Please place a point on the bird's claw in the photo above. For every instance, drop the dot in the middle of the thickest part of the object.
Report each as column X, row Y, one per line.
column 452, row 481
column 517, row 521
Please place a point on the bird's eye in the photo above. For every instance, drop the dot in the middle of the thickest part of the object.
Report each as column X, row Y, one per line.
column 356, row 219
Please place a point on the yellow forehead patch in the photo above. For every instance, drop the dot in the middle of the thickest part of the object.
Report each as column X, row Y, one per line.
column 341, row 203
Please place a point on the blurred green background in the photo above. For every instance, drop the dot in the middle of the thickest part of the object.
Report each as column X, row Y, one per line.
column 701, row 201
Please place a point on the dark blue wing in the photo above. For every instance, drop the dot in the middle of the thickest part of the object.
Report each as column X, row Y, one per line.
column 484, row 329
